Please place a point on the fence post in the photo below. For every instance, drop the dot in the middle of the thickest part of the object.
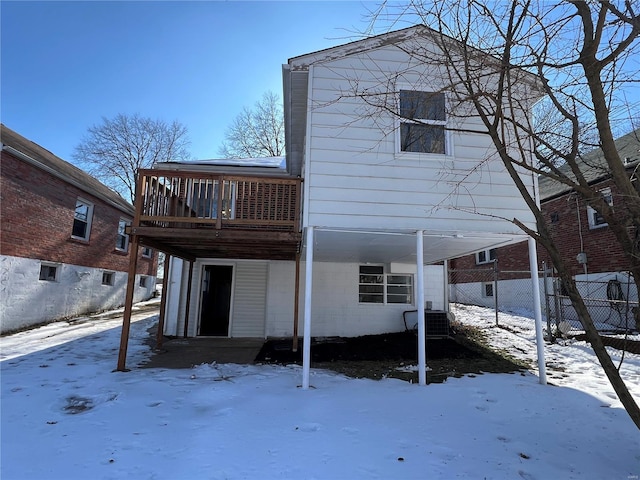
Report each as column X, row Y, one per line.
column 546, row 303
column 495, row 288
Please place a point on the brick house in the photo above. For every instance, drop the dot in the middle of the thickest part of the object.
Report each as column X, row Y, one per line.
column 581, row 234
column 63, row 248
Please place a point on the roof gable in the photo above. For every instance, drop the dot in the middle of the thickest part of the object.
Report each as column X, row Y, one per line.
column 593, row 165
column 42, row 158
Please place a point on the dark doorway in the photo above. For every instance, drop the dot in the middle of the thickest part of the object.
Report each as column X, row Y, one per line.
column 216, row 300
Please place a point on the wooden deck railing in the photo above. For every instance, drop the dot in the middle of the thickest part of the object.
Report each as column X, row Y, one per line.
column 200, row 200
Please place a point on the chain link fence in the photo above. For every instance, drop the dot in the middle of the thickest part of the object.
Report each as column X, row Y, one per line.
column 612, row 299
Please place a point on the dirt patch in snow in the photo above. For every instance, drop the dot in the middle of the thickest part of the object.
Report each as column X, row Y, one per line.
column 395, row 355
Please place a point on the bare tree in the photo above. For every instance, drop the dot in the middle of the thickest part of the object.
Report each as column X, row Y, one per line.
column 114, row 150
column 494, row 61
column 257, row 132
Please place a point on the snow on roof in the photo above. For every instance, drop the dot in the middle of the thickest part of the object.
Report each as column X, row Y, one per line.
column 268, row 162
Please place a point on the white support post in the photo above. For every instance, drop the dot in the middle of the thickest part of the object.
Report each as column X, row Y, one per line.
column 422, row 347
column 306, row 339
column 537, row 310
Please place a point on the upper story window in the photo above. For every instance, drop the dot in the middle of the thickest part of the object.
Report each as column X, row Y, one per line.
column 422, row 122
column 82, row 220
column 122, row 239
column 377, row 287
column 486, row 256
column 595, row 219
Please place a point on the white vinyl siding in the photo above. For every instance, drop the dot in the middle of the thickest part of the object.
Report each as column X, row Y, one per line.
column 249, row 299
column 357, row 178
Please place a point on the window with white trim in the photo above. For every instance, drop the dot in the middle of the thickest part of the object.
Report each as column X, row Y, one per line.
column 595, row 219
column 82, row 219
column 147, row 252
column 122, row 239
column 486, row 256
column 48, row 272
column 423, row 120
column 374, row 286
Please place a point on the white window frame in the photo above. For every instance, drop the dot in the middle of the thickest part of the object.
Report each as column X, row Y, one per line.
column 487, row 256
column 147, row 252
column 111, row 276
column 593, row 216
column 384, row 281
column 421, row 121
column 56, row 272
column 79, row 202
column 122, row 224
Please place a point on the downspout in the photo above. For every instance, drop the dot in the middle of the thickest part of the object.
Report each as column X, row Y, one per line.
column 163, row 302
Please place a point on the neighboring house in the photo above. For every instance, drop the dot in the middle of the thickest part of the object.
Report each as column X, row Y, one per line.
column 63, row 248
column 583, row 238
column 360, row 221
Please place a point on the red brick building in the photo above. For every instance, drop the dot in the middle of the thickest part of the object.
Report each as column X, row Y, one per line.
column 62, row 246
column 582, row 236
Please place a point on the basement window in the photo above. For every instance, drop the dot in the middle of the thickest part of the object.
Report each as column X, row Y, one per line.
column 48, row 272
column 143, row 282
column 108, row 278
column 375, row 286
column 487, row 289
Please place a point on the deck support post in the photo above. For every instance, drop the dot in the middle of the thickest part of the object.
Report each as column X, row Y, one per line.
column 188, row 302
column 163, row 302
column 422, row 334
column 128, row 304
column 306, row 342
column 537, row 310
column 296, row 304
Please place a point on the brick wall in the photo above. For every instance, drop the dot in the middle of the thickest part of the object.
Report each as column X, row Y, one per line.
column 37, row 211
column 570, row 229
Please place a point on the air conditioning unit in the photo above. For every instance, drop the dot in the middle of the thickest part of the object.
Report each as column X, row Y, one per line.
column 437, row 322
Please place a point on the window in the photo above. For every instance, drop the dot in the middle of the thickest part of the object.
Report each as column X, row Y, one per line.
column 371, row 288
column 487, row 289
column 399, row 289
column 147, row 252
column 377, row 287
column 82, row 220
column 143, row 282
column 595, row 219
column 108, row 278
column 122, row 239
column 422, row 122
column 486, row 256
column 48, row 272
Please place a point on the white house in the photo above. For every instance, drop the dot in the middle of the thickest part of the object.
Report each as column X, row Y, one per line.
column 387, row 190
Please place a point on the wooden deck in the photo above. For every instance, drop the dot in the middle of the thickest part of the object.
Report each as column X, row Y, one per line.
column 198, row 214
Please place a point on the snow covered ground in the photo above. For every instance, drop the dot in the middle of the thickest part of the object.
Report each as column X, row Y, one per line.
column 66, row 415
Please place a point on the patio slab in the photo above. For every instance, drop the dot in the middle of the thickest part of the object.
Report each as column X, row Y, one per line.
column 188, row 352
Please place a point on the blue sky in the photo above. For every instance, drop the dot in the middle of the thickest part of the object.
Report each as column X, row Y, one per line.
column 65, row 65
